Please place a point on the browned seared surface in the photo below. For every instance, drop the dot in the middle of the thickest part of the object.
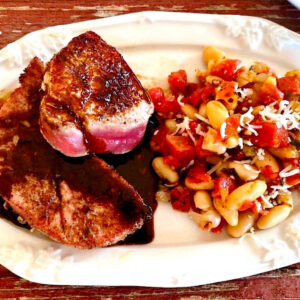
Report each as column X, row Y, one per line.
column 93, row 102
column 81, row 203
column 89, row 72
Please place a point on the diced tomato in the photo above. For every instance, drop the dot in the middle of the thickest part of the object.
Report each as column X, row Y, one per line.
column 226, row 69
column 208, row 93
column 193, row 125
column 158, row 140
column 201, row 95
column 293, row 180
column 219, row 228
column 181, row 147
column 191, row 87
column 295, row 162
column 200, row 152
column 269, row 173
column 178, row 81
column 269, row 94
column 269, row 135
column 181, row 198
column 240, row 70
column 289, row 85
column 237, row 153
column 156, row 94
column 198, row 174
column 246, row 205
column 224, row 185
column 173, row 161
column 163, row 103
column 232, row 123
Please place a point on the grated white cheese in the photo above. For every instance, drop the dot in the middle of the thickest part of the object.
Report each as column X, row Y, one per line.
column 248, row 143
column 282, row 188
column 222, row 130
column 202, row 119
column 284, row 173
column 283, row 116
column 244, row 92
column 260, row 154
column 179, row 98
column 191, row 136
column 248, row 115
column 214, row 168
column 155, row 132
column 246, row 161
column 246, row 125
column 187, row 166
column 199, row 131
column 241, row 143
column 183, row 126
column 266, row 202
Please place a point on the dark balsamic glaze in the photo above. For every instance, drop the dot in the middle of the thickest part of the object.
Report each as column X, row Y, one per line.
column 136, row 168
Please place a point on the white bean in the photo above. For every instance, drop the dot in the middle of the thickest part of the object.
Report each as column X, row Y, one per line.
column 209, row 142
column 206, row 220
column 268, row 160
column 230, row 215
column 246, row 221
column 189, row 111
column 205, row 185
column 216, row 113
column 164, row 171
column 249, row 191
column 202, row 200
column 171, row 125
column 276, row 215
column 286, row 152
column 245, row 173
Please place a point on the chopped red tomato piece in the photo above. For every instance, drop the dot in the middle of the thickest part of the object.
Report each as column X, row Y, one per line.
column 156, row 94
column 173, row 161
column 224, row 185
column 200, row 152
column 181, row 198
column 293, row 180
column 158, row 140
column 198, row 174
column 181, row 147
column 178, row 81
column 295, row 162
column 163, row 103
column 191, row 87
column 269, row 94
column 270, row 135
column 226, row 69
column 201, row 95
column 289, row 85
column 237, row 153
column 269, row 173
column 232, row 123
column 193, row 125
column 246, row 205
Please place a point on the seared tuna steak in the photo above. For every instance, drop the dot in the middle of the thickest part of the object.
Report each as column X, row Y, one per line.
column 82, row 203
column 93, row 103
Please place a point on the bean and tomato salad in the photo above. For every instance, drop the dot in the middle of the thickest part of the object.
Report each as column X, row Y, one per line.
column 228, row 144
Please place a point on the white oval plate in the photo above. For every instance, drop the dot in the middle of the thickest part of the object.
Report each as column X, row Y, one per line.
column 154, row 44
column 295, row 3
